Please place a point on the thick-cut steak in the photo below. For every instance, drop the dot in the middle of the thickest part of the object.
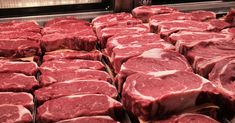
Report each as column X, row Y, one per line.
column 20, row 35
column 121, row 54
column 78, row 105
column 14, row 114
column 75, row 87
column 17, row 82
column 90, row 119
column 201, row 15
column 188, row 118
column 153, row 60
column 205, row 55
column 131, row 39
column 72, row 64
column 145, row 12
column 49, row 77
column 27, row 26
column 108, row 32
column 114, row 19
column 155, row 94
column 185, row 40
column 166, row 28
column 19, row 48
column 72, row 54
column 64, row 20
column 20, row 98
column 28, row 68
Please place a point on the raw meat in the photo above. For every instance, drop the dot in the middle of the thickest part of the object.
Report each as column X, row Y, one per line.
column 131, row 39
column 27, row 26
column 75, row 87
column 72, row 54
column 156, row 94
column 230, row 17
column 188, row 118
column 20, row 35
column 205, row 55
column 114, row 19
column 122, row 54
column 14, row 114
column 223, row 74
column 19, row 48
column 218, row 24
column 17, row 82
column 72, row 64
column 28, row 68
column 154, row 20
column 153, row 60
column 84, row 39
column 230, row 31
column 90, row 119
column 166, row 28
column 48, row 77
column 20, row 98
column 201, row 15
column 108, row 32
column 184, row 40
column 78, row 105
column 64, row 20
column 145, row 12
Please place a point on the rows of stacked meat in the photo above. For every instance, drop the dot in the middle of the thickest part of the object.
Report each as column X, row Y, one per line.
column 168, row 66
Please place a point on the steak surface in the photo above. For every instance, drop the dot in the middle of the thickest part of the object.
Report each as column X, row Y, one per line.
column 77, row 106
column 90, row 119
column 145, row 12
column 201, row 15
column 27, row 68
column 154, row 60
column 72, row 54
column 64, row 20
column 188, row 118
column 75, row 87
column 72, row 64
column 17, row 82
column 156, row 94
column 48, row 77
column 20, row 98
column 14, row 114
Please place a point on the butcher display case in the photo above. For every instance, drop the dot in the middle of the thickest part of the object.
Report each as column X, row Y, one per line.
column 42, row 11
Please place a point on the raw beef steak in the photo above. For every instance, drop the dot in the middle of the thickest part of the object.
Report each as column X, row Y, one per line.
column 184, row 40
column 20, row 98
column 202, row 15
column 130, row 40
column 72, row 64
column 223, row 74
column 28, row 68
column 108, row 32
column 14, row 114
column 122, row 54
column 72, row 54
column 64, row 20
column 27, row 26
column 20, row 35
column 145, row 12
column 230, row 17
column 230, row 31
column 90, row 119
column 156, row 94
column 78, row 105
column 205, row 55
column 188, row 118
column 114, row 19
column 17, row 82
column 218, row 24
column 19, row 48
column 156, row 19
column 84, row 39
column 166, row 28
column 49, row 77
column 75, row 87
column 153, row 60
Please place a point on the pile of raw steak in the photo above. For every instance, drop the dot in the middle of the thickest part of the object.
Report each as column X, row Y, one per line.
column 168, row 66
